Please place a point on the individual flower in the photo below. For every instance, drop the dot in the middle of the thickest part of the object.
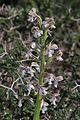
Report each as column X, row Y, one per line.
column 49, row 23
column 37, row 32
column 50, row 49
column 59, row 55
column 33, row 45
column 44, row 106
column 35, row 65
column 42, row 90
column 49, row 78
column 32, row 15
column 56, row 80
column 53, row 100
column 49, row 53
column 29, row 54
column 30, row 87
column 30, row 71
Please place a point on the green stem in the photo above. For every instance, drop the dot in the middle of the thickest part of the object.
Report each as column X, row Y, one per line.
column 41, row 77
column 37, row 107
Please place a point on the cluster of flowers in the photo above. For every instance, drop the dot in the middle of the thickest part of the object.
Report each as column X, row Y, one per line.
column 48, row 23
column 32, row 71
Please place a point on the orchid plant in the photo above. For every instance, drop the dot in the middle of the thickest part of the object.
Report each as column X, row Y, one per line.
column 45, row 81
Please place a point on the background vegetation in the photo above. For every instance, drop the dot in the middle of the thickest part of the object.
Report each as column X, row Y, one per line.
column 67, row 35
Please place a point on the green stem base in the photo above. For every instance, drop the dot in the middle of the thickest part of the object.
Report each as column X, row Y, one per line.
column 37, row 107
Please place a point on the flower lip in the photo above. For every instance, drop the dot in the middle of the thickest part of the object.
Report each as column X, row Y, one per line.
column 44, row 106
column 56, row 80
column 30, row 87
column 53, row 100
column 42, row 90
column 51, row 49
column 31, row 19
column 33, row 45
column 59, row 55
column 37, row 32
column 29, row 53
column 59, row 58
column 49, row 53
column 30, row 71
column 49, row 78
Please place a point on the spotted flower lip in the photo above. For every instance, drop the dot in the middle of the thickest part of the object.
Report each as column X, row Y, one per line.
column 32, row 16
column 37, row 32
column 49, row 23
